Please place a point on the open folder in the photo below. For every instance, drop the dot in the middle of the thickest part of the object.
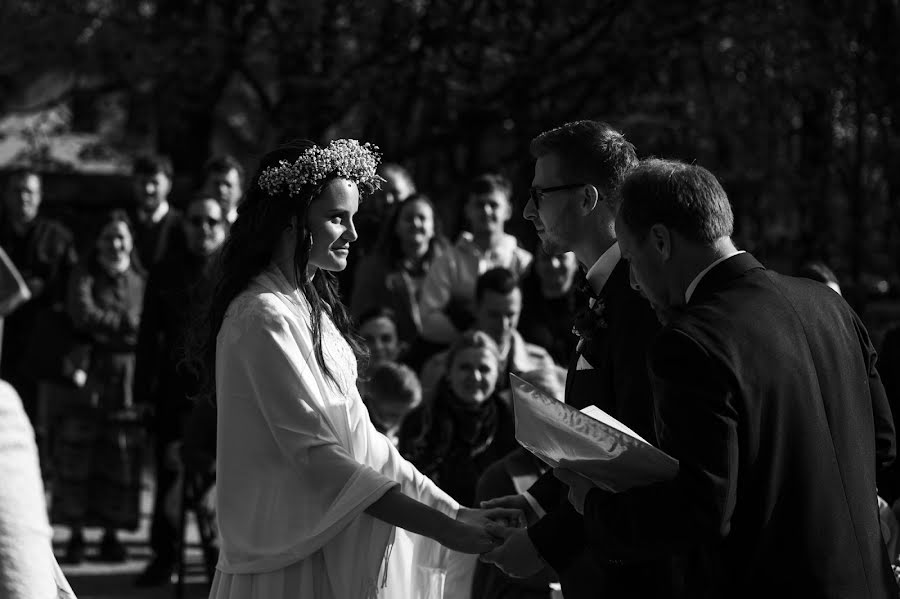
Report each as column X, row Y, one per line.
column 590, row 442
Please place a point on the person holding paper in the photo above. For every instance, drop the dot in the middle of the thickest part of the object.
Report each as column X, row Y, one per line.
column 572, row 205
column 765, row 390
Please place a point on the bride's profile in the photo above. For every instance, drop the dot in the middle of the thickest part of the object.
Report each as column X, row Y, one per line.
column 312, row 500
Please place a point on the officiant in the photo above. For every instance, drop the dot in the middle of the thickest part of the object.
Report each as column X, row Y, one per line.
column 765, row 389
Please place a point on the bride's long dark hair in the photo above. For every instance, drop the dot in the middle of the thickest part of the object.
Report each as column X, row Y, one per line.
column 248, row 250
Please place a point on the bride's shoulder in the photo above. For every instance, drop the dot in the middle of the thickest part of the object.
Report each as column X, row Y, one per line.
column 257, row 306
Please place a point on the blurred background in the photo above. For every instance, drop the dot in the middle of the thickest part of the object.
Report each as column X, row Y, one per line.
column 794, row 105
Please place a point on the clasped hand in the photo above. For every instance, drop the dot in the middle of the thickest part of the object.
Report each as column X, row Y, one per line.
column 471, row 535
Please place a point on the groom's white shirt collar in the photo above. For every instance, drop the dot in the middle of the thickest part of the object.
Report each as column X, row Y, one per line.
column 599, row 273
column 693, row 286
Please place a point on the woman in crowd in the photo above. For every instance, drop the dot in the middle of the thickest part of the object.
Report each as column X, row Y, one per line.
column 548, row 309
column 392, row 275
column 309, row 493
column 98, row 442
column 467, row 427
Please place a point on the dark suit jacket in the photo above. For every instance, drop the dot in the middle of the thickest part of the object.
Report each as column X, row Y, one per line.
column 619, row 385
column 765, row 390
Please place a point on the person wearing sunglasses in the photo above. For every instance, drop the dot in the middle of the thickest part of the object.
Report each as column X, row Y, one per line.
column 174, row 289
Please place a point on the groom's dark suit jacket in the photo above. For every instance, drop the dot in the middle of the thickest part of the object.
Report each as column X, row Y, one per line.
column 765, row 389
column 616, row 382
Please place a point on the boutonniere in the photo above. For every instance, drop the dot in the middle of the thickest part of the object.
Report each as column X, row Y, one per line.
column 590, row 320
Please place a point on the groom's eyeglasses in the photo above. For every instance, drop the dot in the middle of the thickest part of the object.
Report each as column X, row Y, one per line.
column 537, row 193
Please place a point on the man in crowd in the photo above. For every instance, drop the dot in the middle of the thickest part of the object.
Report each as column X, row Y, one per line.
column 572, row 205
column 765, row 390
column 447, row 304
column 173, row 292
column 43, row 252
column 498, row 307
column 223, row 180
column 157, row 224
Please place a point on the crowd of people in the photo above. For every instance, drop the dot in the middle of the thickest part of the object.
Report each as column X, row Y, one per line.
column 427, row 330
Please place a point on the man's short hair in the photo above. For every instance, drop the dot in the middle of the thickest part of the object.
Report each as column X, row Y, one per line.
column 149, row 165
column 498, row 280
column 222, row 165
column 684, row 197
column 486, row 183
column 590, row 152
column 21, row 173
column 395, row 382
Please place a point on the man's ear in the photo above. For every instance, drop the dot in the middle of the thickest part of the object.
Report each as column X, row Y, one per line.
column 589, row 199
column 661, row 241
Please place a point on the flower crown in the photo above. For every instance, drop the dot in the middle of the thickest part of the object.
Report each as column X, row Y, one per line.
column 345, row 158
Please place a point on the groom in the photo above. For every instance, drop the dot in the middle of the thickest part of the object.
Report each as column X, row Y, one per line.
column 765, row 389
column 578, row 169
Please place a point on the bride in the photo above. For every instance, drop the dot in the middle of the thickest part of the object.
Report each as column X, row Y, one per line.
column 312, row 500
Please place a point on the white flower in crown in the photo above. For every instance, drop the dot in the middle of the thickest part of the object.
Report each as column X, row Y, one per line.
column 344, row 158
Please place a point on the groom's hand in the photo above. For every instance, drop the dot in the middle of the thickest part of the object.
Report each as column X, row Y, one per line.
column 505, row 517
column 517, row 556
column 517, row 502
column 579, row 487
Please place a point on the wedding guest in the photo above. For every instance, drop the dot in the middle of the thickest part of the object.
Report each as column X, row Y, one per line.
column 549, row 304
column 170, row 301
column 392, row 393
column 572, row 204
column 98, row 448
column 513, row 474
column 464, row 429
column 43, row 252
column 754, row 373
column 378, row 329
column 157, row 224
column 223, row 179
column 396, row 186
column 392, row 275
column 28, row 568
column 293, row 434
column 499, row 304
column 447, row 301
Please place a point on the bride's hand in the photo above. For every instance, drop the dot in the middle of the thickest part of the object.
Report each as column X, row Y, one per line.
column 469, row 533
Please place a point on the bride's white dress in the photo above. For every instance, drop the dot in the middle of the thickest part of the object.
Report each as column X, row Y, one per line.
column 299, row 461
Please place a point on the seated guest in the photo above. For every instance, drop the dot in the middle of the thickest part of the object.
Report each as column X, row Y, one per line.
column 98, row 447
column 392, row 392
column 463, row 430
column 43, row 252
column 174, row 289
column 223, row 180
column 512, row 475
column 498, row 306
column 448, row 297
column 378, row 329
column 393, row 273
column 467, row 426
column 549, row 304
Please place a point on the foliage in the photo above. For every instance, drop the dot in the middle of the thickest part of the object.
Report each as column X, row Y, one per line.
column 793, row 104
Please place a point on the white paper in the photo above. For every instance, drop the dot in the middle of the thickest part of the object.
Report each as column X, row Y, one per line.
column 592, row 442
